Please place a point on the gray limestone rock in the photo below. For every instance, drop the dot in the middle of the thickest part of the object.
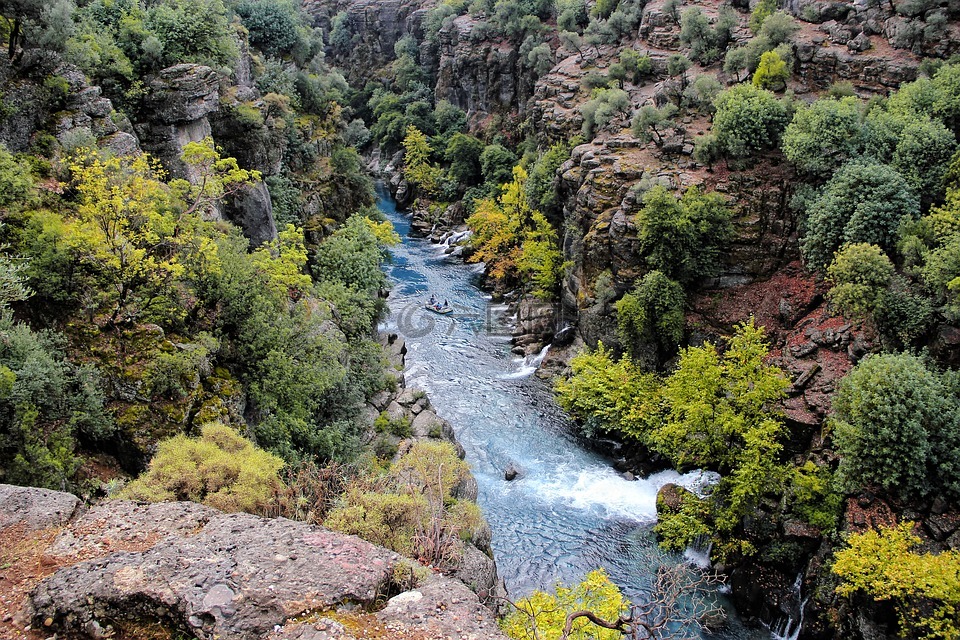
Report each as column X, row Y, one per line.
column 252, row 210
column 35, row 509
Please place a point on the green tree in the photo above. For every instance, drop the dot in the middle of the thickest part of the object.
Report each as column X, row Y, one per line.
column 37, row 23
column 463, row 153
column 683, row 238
column 517, row 243
column 192, row 31
column 417, row 168
column 860, row 274
column 896, row 425
column 718, row 413
column 540, row 185
column 544, row 615
column 864, row 202
column 604, row 395
column 214, row 177
column 748, row 120
column 916, row 145
column 496, row 164
column 761, row 11
column 652, row 123
column 772, row 72
column 824, row 135
column 273, row 25
column 652, row 314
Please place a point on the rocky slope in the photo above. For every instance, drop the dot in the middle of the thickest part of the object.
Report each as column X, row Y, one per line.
column 125, row 569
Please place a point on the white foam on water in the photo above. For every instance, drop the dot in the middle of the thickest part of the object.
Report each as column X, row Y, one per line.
column 528, row 365
column 601, row 488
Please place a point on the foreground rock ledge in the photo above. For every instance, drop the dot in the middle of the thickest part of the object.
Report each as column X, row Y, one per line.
column 230, row 576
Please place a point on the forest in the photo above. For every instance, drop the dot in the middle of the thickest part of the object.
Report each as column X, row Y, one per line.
column 737, row 225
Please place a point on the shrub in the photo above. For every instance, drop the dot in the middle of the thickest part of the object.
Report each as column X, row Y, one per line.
column 924, row 587
column 813, row 494
column 860, row 273
column 45, row 404
column 543, row 615
column 683, row 237
column 652, row 313
column 748, row 120
column 772, row 72
column 220, row 469
column 824, row 135
column 897, row 426
column 865, row 202
column 412, row 509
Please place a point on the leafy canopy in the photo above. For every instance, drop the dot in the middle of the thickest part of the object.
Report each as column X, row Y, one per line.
column 924, row 587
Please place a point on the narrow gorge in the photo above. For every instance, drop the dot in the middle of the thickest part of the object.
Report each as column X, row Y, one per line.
column 691, row 370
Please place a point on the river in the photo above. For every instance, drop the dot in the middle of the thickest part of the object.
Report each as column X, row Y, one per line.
column 569, row 511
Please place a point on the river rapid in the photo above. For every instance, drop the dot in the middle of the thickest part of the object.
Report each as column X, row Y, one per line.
column 568, row 511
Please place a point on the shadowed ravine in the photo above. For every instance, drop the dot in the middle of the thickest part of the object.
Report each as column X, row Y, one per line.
column 568, row 511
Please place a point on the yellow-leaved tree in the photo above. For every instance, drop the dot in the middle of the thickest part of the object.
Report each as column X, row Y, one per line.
column 126, row 226
column 924, row 587
column 517, row 242
column 417, row 167
column 213, row 178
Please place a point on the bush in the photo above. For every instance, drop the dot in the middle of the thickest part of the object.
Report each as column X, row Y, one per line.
column 823, row 136
column 897, row 426
column 220, row 469
column 543, row 615
column 652, row 313
column 683, row 238
column 924, row 587
column 748, row 120
column 412, row 509
column 46, row 404
column 865, row 202
column 860, row 273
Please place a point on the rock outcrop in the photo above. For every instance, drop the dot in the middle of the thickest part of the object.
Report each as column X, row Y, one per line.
column 480, row 76
column 375, row 27
column 125, row 567
column 176, row 108
column 48, row 91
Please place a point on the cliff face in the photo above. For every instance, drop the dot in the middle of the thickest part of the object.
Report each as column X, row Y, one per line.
column 478, row 75
column 375, row 27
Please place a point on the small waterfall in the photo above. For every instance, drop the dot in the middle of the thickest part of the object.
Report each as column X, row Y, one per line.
column 787, row 628
column 698, row 553
column 528, row 365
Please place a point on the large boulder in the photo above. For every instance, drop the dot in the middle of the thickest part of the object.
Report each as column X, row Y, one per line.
column 35, row 509
column 252, row 210
column 174, row 113
column 182, row 93
column 238, row 578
